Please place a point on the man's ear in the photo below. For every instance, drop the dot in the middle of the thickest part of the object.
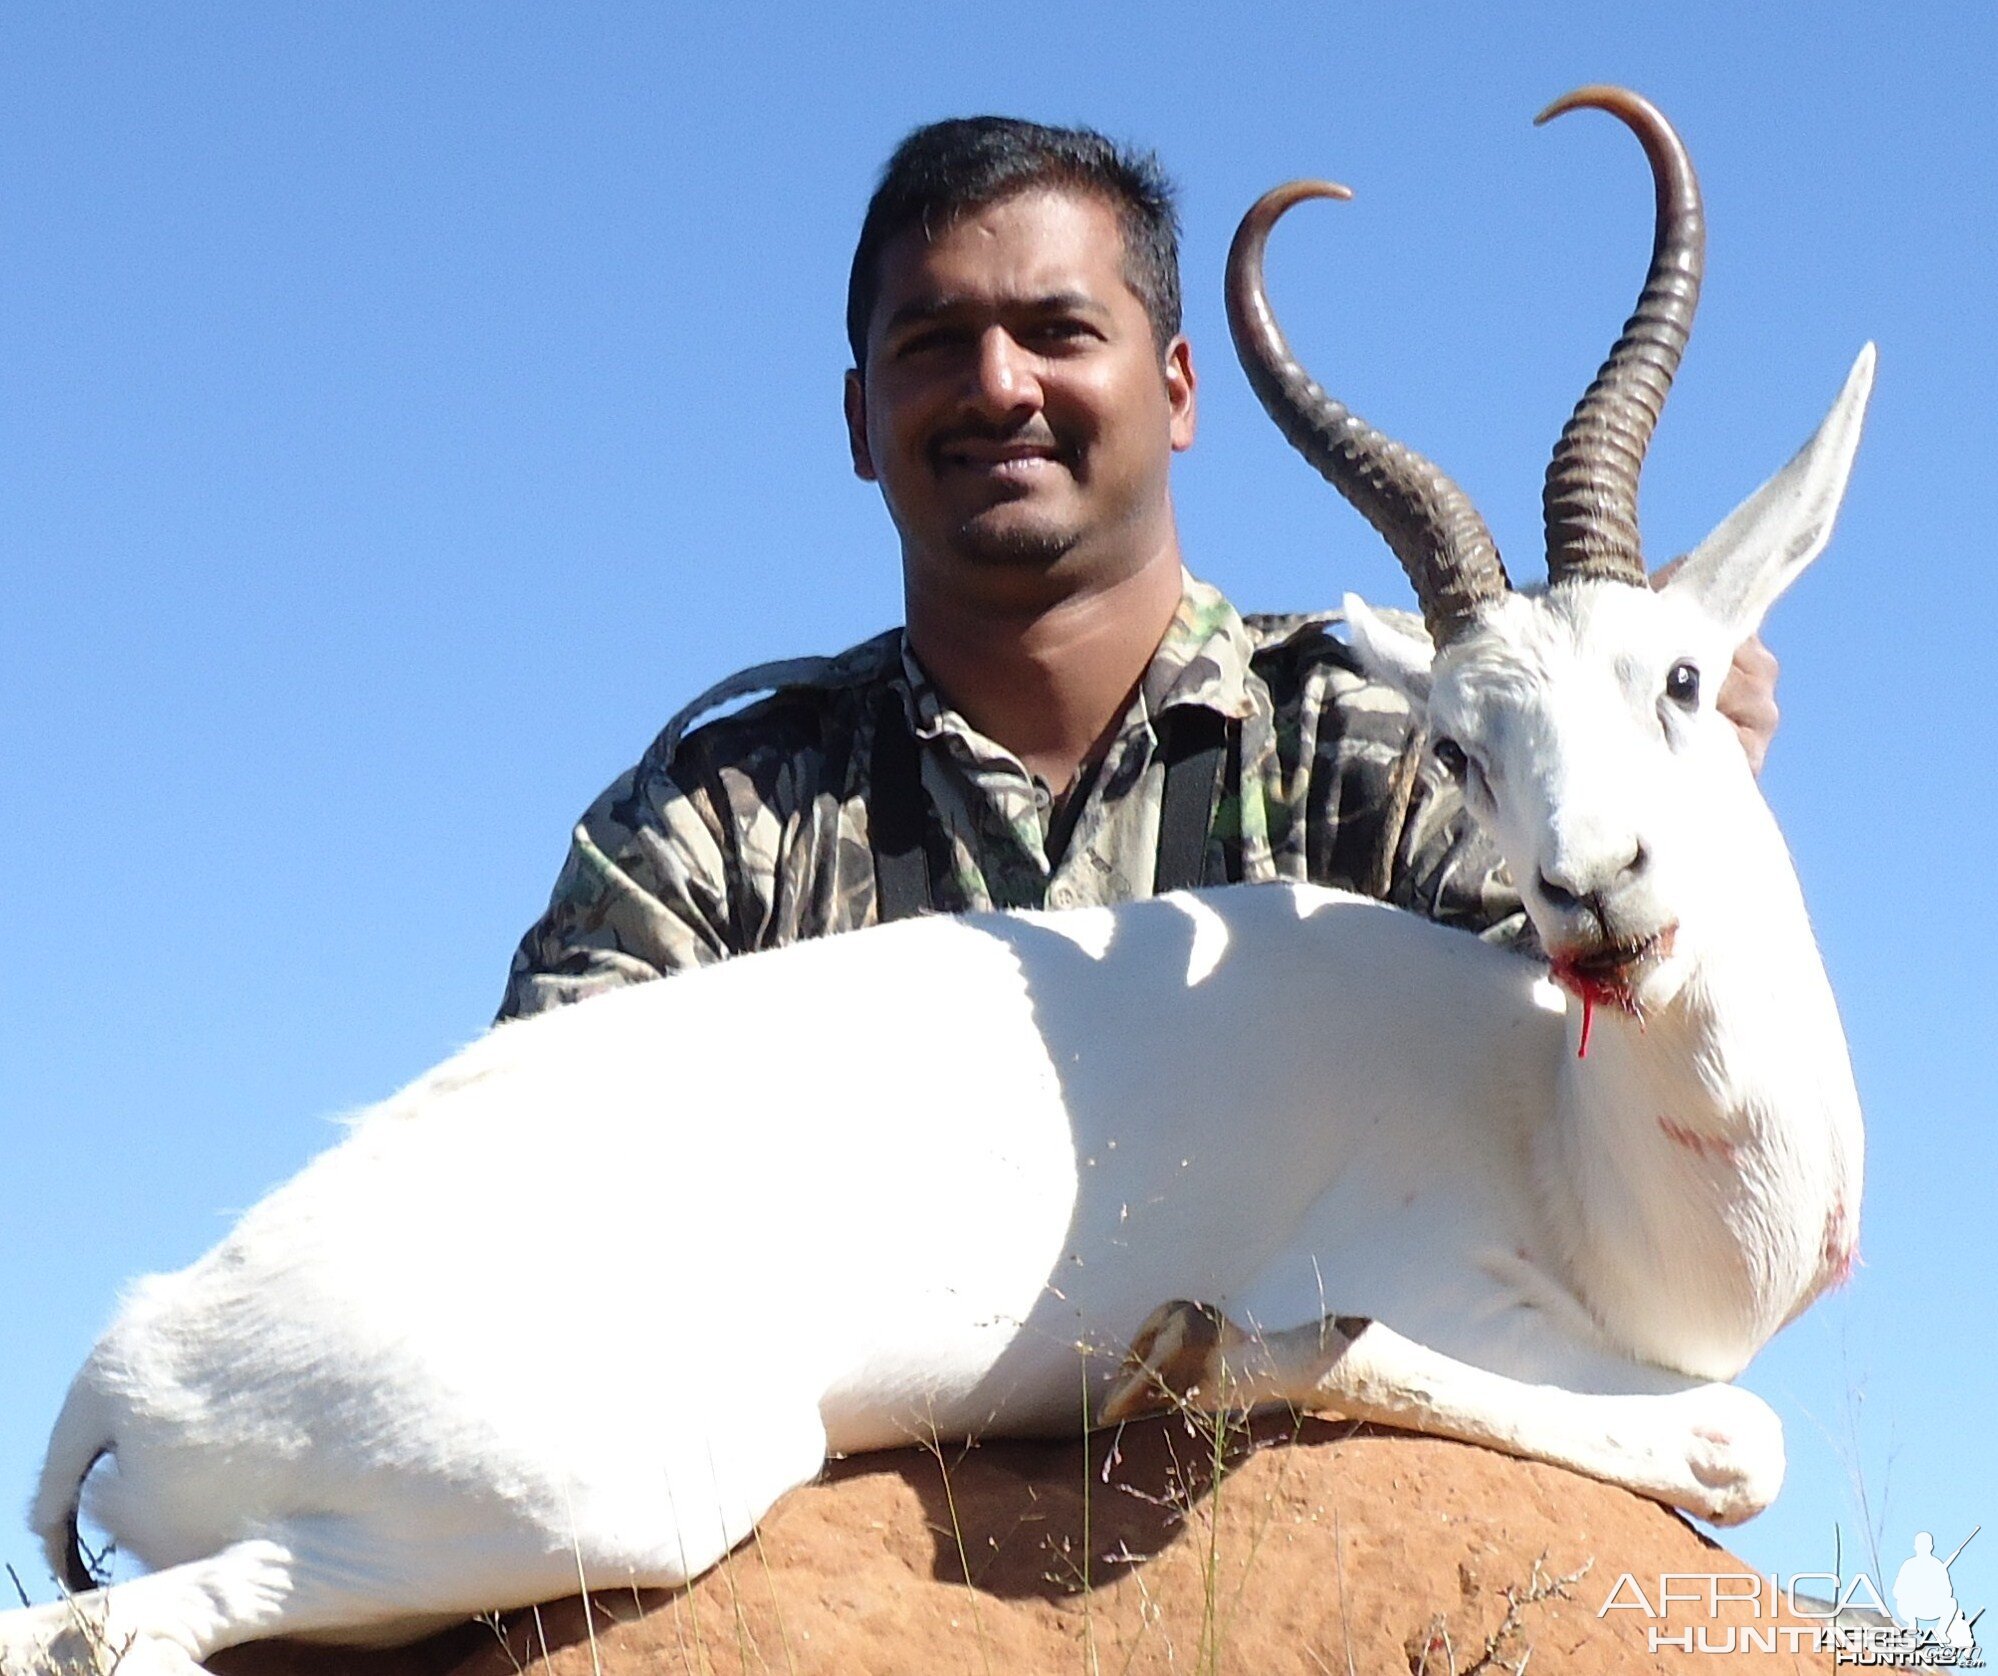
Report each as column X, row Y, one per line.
column 1762, row 546
column 856, row 427
column 1181, row 384
column 1393, row 649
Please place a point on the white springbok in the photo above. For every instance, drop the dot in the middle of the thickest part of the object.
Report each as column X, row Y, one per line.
column 1271, row 1142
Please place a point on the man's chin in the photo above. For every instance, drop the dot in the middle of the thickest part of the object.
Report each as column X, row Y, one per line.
column 1013, row 542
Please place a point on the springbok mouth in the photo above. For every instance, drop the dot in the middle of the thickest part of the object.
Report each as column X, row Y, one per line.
column 1608, row 975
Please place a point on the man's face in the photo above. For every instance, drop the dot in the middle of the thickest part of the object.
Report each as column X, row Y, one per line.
column 1014, row 407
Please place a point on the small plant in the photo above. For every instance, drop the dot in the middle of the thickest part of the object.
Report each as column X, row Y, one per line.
column 1433, row 1654
column 85, row 1647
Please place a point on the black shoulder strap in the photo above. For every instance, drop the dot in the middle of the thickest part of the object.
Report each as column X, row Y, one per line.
column 895, row 809
column 1194, row 745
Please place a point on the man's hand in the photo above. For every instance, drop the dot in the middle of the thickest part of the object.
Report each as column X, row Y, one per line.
column 1748, row 698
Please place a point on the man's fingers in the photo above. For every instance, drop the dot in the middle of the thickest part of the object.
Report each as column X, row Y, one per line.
column 1748, row 698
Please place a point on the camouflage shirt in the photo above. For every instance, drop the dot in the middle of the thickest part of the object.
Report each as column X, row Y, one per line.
column 752, row 831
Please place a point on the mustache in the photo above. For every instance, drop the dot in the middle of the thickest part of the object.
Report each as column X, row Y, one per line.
column 1033, row 434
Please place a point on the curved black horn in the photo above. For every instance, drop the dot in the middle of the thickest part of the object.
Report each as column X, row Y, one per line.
column 1590, row 499
column 1430, row 523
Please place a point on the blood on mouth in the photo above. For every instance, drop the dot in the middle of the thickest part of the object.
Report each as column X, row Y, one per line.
column 1603, row 977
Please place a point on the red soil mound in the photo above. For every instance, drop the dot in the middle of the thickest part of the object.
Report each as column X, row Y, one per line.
column 1297, row 1546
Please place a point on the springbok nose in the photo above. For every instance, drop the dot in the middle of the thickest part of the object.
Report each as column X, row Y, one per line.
column 1568, row 888
column 1558, row 895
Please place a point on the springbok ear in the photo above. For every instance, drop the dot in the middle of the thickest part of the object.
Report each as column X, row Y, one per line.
column 1762, row 546
column 1393, row 649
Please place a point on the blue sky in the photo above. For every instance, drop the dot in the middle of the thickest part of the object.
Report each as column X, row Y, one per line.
column 406, row 408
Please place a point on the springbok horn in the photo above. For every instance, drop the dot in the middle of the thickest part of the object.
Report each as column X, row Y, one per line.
column 1430, row 523
column 1590, row 499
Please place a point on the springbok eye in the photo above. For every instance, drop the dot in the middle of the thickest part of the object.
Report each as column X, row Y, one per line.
column 1682, row 685
column 1451, row 755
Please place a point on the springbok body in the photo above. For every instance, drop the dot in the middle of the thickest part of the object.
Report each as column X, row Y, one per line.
column 1368, row 1150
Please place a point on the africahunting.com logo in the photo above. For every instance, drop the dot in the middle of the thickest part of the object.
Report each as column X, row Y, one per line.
column 1928, row 1628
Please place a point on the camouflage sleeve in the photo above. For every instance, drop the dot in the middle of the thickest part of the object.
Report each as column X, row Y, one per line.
column 1440, row 863
column 1379, row 815
column 644, row 893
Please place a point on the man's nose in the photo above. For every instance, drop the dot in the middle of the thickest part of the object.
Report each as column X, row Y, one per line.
column 1004, row 380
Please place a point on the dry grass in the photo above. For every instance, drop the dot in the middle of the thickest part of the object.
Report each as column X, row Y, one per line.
column 1506, row 1639
column 83, row 1647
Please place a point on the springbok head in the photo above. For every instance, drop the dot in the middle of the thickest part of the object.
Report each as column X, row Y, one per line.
column 1579, row 715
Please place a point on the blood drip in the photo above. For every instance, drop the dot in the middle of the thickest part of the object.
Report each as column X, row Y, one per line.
column 1588, row 1023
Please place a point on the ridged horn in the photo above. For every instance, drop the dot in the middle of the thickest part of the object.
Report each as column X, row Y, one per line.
column 1590, row 499
column 1430, row 523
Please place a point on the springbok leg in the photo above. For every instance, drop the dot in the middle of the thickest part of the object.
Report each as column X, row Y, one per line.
column 1714, row 1450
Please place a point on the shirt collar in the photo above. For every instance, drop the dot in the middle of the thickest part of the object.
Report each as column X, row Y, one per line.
column 1203, row 659
column 1204, row 656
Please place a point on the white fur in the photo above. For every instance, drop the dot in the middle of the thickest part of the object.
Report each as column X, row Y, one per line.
column 580, row 1304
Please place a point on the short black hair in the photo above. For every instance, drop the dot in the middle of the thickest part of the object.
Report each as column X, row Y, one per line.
column 945, row 168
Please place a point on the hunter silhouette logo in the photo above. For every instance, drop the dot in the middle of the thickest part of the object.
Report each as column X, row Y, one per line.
column 1925, row 1602
column 1812, row 1611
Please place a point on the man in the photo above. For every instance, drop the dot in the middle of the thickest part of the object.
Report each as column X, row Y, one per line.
column 1068, row 717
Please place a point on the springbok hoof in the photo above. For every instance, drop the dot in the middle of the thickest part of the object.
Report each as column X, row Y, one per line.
column 1175, row 1358
column 1735, row 1455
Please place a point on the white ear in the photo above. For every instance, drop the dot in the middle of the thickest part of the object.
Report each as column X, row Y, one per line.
column 1393, row 648
column 1737, row 573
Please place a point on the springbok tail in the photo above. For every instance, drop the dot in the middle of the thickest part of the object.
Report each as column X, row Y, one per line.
column 77, row 1577
column 83, row 1436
